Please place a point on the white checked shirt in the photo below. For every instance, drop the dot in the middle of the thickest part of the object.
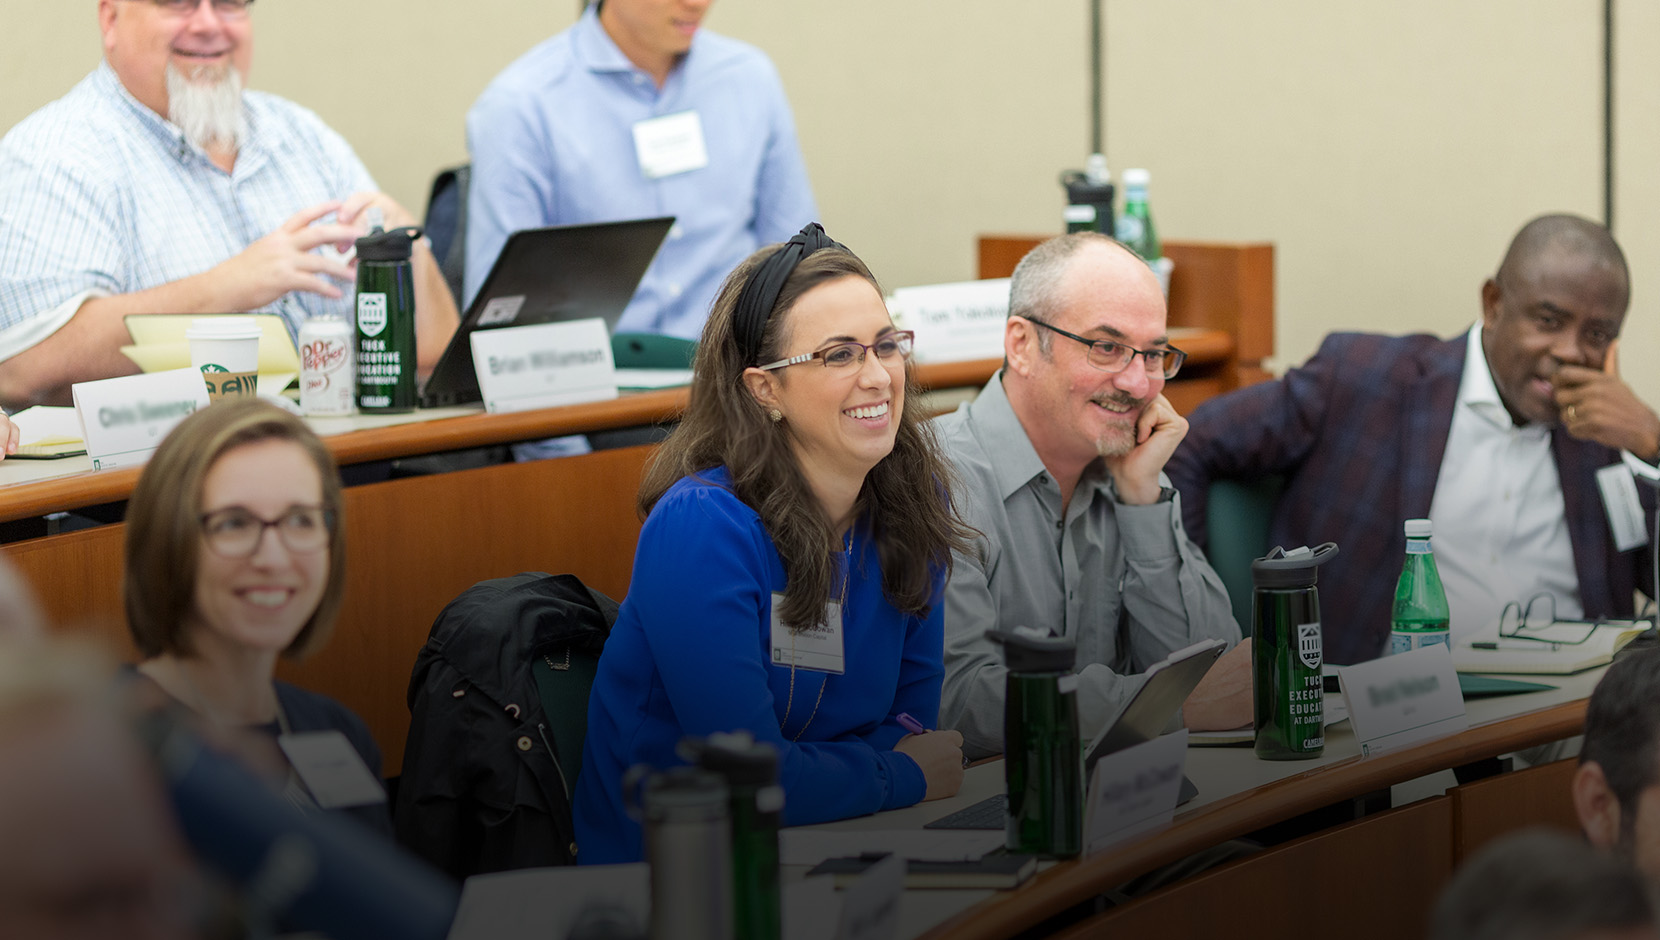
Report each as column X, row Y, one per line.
column 99, row 195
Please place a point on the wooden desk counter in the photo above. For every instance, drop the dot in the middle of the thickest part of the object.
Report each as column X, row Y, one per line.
column 1239, row 794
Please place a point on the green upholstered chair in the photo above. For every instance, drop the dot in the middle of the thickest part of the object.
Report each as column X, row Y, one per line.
column 1237, row 517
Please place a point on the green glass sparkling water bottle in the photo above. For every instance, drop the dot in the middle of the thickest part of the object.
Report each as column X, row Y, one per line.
column 1135, row 226
column 1286, row 653
column 1043, row 754
column 1420, row 617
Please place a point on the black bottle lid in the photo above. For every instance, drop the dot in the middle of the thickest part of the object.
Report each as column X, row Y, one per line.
column 1294, row 569
column 391, row 245
column 736, row 756
column 1031, row 651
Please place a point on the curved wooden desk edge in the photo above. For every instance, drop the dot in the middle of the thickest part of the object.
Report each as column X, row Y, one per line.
column 1072, row 883
column 91, row 488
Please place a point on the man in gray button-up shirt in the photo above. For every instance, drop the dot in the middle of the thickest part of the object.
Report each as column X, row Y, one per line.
column 1060, row 465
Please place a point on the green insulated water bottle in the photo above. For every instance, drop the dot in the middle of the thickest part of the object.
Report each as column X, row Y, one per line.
column 1420, row 617
column 1286, row 653
column 386, row 320
column 1135, row 226
column 750, row 769
column 1043, row 762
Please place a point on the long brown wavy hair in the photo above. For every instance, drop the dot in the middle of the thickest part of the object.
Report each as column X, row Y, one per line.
column 906, row 498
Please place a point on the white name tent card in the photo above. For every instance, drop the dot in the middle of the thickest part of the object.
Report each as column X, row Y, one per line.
column 1134, row 791
column 122, row 420
column 870, row 906
column 544, row 365
column 954, row 322
column 1402, row 699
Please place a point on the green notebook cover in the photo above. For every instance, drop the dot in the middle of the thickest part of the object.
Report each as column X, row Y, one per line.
column 1486, row 686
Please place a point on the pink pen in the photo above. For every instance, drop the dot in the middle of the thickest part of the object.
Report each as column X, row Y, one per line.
column 910, row 724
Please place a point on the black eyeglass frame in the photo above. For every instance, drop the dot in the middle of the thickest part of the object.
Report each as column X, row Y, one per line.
column 1173, row 357
column 208, row 539
column 1520, row 616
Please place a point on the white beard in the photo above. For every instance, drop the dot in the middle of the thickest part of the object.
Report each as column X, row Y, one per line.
column 207, row 107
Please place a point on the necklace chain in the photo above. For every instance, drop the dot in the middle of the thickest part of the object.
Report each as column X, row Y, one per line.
column 841, row 610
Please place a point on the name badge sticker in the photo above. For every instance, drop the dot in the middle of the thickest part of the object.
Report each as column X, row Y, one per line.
column 1625, row 510
column 331, row 769
column 1402, row 699
column 670, row 144
column 124, row 419
column 818, row 648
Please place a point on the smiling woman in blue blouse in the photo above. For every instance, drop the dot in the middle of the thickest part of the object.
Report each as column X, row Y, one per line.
column 788, row 576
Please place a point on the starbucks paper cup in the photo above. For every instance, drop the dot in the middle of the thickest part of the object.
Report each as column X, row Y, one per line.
column 226, row 351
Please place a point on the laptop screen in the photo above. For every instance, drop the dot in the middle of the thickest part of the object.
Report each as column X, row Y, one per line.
column 544, row 275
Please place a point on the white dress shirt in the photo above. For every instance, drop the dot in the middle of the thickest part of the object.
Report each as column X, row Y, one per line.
column 1501, row 529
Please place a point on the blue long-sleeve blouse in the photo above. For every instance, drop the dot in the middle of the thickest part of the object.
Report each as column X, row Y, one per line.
column 690, row 655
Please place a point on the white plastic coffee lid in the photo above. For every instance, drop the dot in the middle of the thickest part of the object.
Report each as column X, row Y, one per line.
column 1417, row 528
column 222, row 328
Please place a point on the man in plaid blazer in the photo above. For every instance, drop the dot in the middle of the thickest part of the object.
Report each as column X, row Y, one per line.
column 1364, row 435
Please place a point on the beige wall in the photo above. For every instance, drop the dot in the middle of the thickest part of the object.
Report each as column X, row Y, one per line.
column 1388, row 147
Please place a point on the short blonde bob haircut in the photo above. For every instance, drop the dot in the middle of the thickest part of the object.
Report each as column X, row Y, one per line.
column 164, row 529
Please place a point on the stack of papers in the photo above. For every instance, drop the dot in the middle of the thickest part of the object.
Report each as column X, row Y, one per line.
column 46, row 433
column 1486, row 651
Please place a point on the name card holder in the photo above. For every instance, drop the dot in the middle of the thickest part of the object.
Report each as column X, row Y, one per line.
column 1134, row 791
column 954, row 322
column 124, row 419
column 1398, row 700
column 870, row 905
column 544, row 365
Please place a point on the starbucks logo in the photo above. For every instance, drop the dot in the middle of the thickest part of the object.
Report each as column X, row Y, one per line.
column 371, row 313
column 213, row 367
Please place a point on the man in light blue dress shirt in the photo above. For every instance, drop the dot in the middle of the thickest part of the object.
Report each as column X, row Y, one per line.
column 157, row 185
column 635, row 112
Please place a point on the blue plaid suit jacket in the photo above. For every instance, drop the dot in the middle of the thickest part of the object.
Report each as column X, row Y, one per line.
column 1358, row 432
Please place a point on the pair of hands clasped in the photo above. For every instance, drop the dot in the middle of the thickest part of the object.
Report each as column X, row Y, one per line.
column 285, row 260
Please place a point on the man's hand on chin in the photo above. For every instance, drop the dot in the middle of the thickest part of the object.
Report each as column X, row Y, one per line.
column 1597, row 405
column 1157, row 432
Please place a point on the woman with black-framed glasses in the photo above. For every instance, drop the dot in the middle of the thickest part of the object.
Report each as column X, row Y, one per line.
column 787, row 580
column 235, row 557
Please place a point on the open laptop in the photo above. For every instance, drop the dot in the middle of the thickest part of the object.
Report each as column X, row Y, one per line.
column 543, row 275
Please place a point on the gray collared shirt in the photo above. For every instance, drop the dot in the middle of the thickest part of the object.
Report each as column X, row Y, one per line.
column 1124, row 581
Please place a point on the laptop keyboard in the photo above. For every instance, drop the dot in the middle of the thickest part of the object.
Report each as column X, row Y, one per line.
column 989, row 813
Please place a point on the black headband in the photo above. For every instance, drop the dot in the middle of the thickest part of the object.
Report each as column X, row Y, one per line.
column 760, row 295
